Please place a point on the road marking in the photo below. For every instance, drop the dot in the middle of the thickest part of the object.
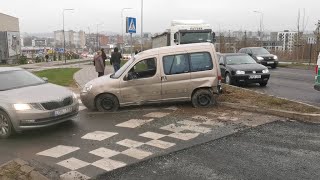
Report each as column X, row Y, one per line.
column 184, row 136
column 190, row 123
column 73, row 163
column 130, row 143
column 73, row 175
column 160, row 144
column 152, row 135
column 104, row 152
column 108, row 164
column 213, row 123
column 203, row 118
column 198, row 129
column 173, row 108
column 133, row 123
column 136, row 153
column 156, row 115
column 172, row 128
column 58, row 151
column 99, row 135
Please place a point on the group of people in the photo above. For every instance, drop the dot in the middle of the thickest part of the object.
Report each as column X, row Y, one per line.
column 99, row 61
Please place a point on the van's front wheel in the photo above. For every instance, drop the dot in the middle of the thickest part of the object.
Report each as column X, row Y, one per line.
column 203, row 98
column 107, row 103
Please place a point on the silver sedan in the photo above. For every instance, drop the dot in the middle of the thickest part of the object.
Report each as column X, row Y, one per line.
column 29, row 102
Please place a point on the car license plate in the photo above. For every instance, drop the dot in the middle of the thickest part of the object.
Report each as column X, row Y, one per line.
column 255, row 77
column 270, row 62
column 63, row 111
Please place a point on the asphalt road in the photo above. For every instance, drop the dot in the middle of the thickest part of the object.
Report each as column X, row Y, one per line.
column 279, row 150
column 295, row 84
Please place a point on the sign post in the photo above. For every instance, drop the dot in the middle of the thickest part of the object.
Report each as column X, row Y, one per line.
column 131, row 25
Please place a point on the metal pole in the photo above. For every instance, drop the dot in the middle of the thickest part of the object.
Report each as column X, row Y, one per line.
column 131, row 44
column 123, row 9
column 97, row 37
column 141, row 49
column 64, row 40
column 310, row 54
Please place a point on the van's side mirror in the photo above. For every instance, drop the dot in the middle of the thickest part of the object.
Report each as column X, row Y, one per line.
column 125, row 78
column 250, row 54
column 175, row 37
column 213, row 37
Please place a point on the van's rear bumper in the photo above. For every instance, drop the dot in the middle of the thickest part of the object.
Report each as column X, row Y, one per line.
column 317, row 87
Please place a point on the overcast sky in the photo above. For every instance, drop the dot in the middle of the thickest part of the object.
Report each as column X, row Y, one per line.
column 46, row 15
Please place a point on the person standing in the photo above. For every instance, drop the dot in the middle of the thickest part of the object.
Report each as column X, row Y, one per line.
column 116, row 59
column 104, row 57
column 98, row 63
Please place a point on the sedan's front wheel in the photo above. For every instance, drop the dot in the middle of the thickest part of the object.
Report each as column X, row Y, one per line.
column 107, row 103
column 228, row 79
column 6, row 129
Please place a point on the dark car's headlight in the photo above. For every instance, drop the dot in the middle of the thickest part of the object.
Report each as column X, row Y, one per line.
column 265, row 71
column 240, row 72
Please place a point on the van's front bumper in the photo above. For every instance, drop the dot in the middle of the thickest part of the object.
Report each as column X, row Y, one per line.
column 317, row 87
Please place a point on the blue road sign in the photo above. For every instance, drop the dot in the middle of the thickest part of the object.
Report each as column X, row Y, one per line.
column 131, row 25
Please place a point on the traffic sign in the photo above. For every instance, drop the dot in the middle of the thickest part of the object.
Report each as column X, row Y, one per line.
column 131, row 25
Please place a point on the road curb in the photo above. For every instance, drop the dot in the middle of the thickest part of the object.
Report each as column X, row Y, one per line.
column 304, row 117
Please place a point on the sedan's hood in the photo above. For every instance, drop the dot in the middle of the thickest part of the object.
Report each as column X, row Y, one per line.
column 35, row 94
column 248, row 67
column 265, row 55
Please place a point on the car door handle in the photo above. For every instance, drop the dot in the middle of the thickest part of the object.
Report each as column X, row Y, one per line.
column 163, row 78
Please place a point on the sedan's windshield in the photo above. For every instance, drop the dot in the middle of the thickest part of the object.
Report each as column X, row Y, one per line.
column 259, row 51
column 18, row 79
column 241, row 59
column 122, row 69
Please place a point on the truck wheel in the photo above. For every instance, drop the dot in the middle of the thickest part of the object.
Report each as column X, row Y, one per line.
column 203, row 98
column 107, row 103
column 6, row 129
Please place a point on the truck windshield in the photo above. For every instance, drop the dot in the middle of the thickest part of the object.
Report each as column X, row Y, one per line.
column 195, row 37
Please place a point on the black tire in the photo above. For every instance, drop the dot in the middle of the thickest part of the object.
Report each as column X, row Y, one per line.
column 203, row 98
column 228, row 79
column 264, row 84
column 6, row 129
column 107, row 103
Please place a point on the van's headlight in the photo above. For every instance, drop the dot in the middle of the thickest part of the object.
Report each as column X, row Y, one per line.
column 22, row 107
column 74, row 96
column 275, row 57
column 87, row 88
column 260, row 58
column 265, row 71
column 240, row 72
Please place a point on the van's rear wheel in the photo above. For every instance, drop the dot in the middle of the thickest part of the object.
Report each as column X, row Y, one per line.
column 6, row 129
column 203, row 98
column 107, row 103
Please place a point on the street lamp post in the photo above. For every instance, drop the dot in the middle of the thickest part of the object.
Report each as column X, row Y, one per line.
column 141, row 49
column 123, row 9
column 64, row 37
column 261, row 24
column 98, row 37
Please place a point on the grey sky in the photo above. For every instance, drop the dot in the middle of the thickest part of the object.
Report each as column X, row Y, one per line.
column 46, row 15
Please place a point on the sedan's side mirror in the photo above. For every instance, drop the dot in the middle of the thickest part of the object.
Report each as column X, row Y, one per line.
column 250, row 54
column 45, row 79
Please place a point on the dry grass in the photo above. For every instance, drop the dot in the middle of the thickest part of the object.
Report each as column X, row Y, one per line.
column 237, row 95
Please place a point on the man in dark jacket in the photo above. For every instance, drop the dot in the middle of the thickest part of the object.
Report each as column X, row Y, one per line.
column 116, row 59
column 104, row 57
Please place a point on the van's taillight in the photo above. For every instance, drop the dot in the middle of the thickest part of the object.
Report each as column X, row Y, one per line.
column 219, row 78
column 317, row 69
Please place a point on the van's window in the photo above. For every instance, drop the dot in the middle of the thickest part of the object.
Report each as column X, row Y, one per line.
column 176, row 64
column 143, row 69
column 200, row 62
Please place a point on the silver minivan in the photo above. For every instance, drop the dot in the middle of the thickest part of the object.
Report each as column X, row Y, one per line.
column 177, row 73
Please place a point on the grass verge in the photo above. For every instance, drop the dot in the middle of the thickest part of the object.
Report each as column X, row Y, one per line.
column 59, row 76
column 297, row 66
column 241, row 96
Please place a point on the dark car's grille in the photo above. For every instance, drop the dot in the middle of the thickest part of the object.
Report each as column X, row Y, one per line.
column 268, row 58
column 57, row 104
column 251, row 72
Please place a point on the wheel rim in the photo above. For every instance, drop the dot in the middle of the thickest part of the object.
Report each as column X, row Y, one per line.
column 4, row 125
column 227, row 79
column 107, row 104
column 204, row 100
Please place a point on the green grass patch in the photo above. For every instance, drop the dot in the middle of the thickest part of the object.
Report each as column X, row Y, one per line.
column 297, row 66
column 59, row 76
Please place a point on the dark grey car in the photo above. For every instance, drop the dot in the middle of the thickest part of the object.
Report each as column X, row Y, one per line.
column 262, row 56
column 29, row 102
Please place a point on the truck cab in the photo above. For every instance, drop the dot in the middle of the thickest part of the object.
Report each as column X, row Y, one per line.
column 317, row 77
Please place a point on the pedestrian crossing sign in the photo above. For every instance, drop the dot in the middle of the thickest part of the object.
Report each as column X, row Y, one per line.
column 131, row 25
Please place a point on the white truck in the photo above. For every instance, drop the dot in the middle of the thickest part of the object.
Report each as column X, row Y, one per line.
column 184, row 32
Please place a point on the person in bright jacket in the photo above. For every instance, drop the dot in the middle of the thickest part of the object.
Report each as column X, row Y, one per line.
column 98, row 63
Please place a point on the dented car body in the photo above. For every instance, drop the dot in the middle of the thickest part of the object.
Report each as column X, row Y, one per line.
column 159, row 75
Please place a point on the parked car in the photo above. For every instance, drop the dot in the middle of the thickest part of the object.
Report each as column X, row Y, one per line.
column 29, row 102
column 317, row 78
column 238, row 68
column 176, row 73
column 261, row 56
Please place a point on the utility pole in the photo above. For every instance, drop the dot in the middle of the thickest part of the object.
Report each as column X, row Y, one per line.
column 141, row 25
column 64, row 37
column 318, row 36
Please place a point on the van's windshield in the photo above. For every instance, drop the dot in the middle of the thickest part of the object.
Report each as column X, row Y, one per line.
column 122, row 69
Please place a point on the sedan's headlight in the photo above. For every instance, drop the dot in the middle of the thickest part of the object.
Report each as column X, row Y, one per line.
column 265, row 71
column 275, row 57
column 87, row 88
column 260, row 58
column 22, row 107
column 240, row 72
